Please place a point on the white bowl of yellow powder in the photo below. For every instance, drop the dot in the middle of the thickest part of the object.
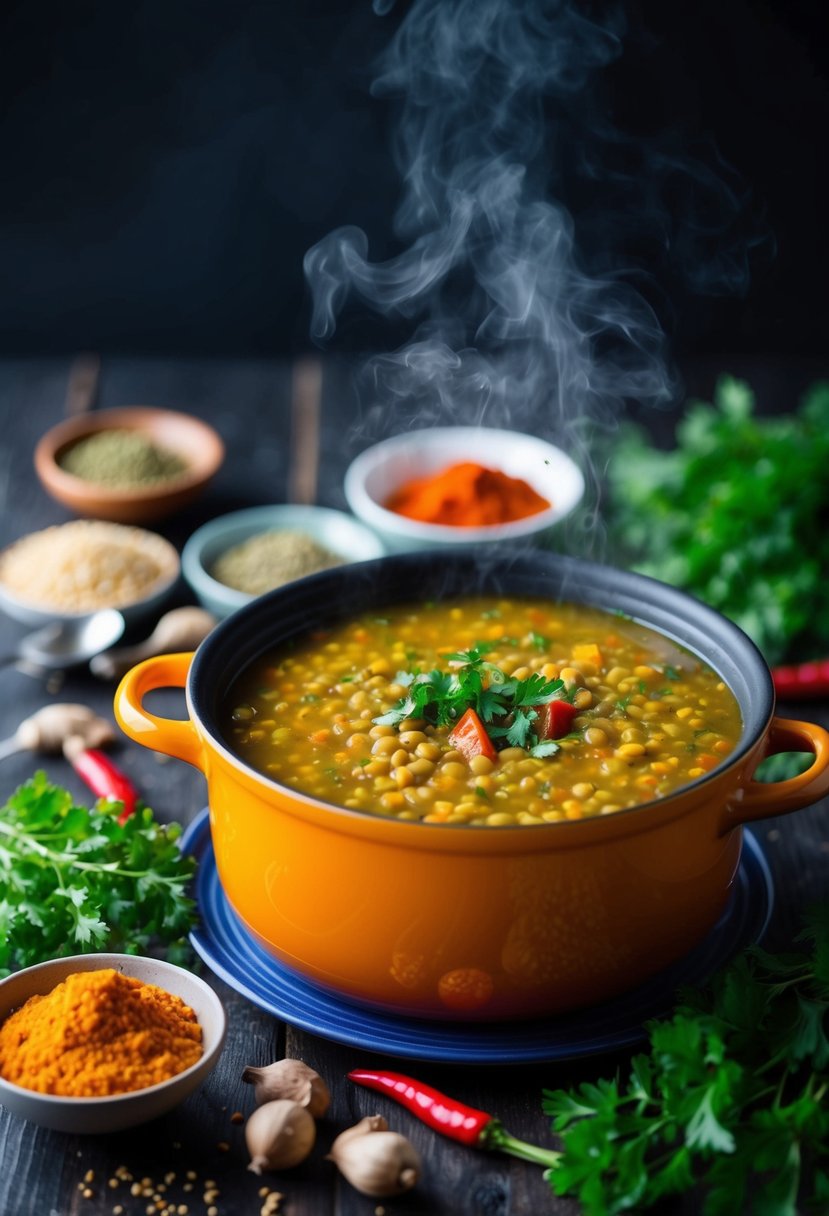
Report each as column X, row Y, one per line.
column 84, row 1040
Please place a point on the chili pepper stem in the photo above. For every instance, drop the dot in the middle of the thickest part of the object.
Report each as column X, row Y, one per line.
column 496, row 1136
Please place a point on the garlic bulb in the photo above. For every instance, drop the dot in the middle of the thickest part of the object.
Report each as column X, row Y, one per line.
column 279, row 1134
column 376, row 1161
column 293, row 1080
column 371, row 1123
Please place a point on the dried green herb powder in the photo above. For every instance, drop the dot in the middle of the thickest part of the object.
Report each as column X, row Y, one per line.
column 271, row 559
column 121, row 459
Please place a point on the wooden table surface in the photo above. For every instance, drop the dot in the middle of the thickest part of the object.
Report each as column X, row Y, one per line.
column 43, row 1173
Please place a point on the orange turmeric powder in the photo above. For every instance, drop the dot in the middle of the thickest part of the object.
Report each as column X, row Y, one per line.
column 466, row 495
column 98, row 1033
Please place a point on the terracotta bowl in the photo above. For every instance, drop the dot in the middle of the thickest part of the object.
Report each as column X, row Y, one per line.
column 381, row 911
column 199, row 446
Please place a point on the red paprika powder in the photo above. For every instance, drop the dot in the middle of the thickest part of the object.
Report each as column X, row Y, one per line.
column 467, row 495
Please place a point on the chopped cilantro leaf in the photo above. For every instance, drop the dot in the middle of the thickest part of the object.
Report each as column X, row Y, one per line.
column 729, row 1100
column 442, row 698
column 74, row 880
column 548, row 747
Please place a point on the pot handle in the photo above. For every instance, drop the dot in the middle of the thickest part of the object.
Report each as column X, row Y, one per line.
column 765, row 799
column 169, row 735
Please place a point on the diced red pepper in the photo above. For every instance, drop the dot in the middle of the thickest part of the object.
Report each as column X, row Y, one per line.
column 469, row 737
column 554, row 720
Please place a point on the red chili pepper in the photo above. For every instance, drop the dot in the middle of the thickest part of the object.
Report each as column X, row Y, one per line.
column 554, row 719
column 803, row 679
column 105, row 779
column 470, row 738
column 462, row 1123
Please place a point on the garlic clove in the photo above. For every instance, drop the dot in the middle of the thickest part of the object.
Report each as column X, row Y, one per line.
column 291, row 1079
column 371, row 1123
column 279, row 1135
column 375, row 1161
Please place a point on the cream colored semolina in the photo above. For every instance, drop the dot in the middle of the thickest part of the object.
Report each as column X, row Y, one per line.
column 85, row 565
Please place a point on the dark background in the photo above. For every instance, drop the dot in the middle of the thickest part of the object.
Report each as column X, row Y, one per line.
column 165, row 165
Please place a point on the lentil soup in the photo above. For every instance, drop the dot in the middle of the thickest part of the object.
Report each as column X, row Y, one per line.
column 485, row 711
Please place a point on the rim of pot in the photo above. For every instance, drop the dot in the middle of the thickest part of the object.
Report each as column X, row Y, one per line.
column 336, row 594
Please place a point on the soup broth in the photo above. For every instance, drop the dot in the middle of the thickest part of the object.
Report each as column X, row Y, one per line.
column 485, row 711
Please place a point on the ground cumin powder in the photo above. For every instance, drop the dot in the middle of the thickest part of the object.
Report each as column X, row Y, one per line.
column 98, row 1033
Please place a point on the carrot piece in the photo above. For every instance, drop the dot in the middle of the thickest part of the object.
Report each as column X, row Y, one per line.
column 587, row 652
column 554, row 719
column 470, row 738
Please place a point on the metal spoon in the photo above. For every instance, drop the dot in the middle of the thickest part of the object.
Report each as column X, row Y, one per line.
column 69, row 642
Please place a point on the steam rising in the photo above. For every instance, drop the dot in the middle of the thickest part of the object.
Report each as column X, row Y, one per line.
column 510, row 324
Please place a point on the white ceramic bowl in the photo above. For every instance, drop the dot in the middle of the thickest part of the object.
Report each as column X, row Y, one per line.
column 335, row 530
column 381, row 470
column 92, row 1115
column 163, row 553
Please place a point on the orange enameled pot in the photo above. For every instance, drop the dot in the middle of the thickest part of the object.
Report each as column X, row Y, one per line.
column 482, row 922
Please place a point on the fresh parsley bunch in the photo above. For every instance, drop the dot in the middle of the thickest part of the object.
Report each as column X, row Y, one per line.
column 735, row 514
column 732, row 1096
column 74, row 880
column 442, row 697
